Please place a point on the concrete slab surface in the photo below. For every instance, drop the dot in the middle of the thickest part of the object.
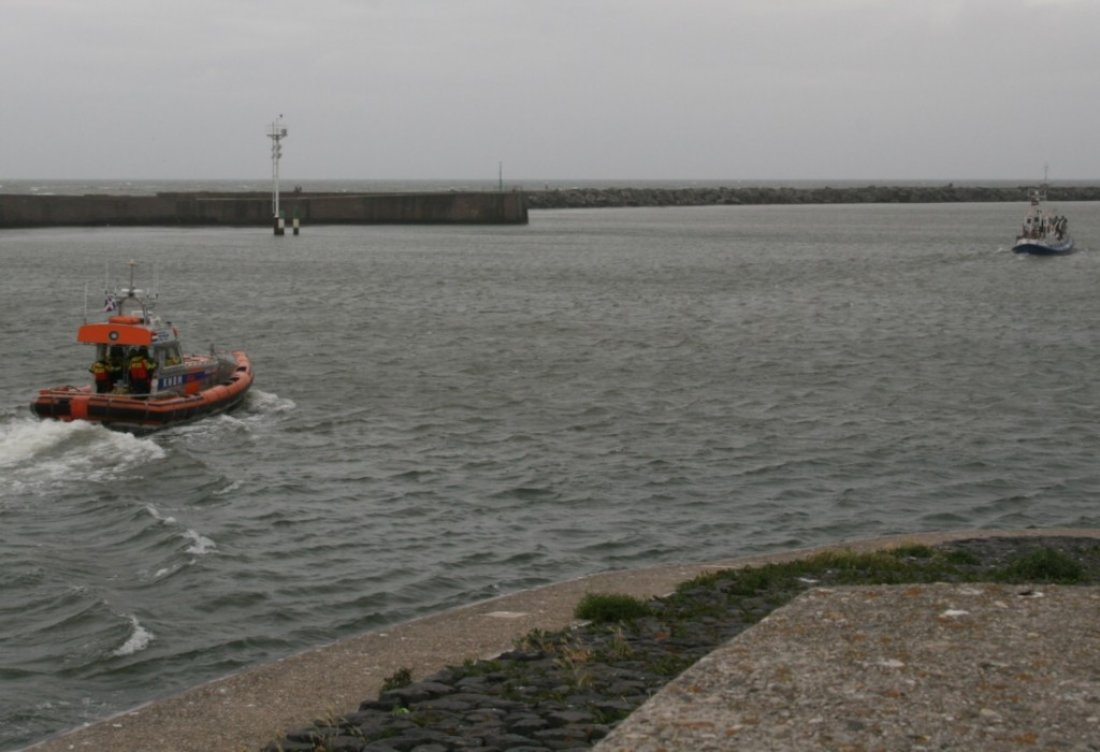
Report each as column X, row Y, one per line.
column 905, row 667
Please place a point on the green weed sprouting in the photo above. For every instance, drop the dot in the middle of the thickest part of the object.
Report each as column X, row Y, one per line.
column 962, row 558
column 619, row 647
column 906, row 564
column 536, row 641
column 610, row 608
column 1045, row 565
column 481, row 667
column 402, row 677
column 838, row 567
column 913, row 551
column 573, row 661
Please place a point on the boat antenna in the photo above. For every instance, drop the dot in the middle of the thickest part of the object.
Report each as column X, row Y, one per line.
column 85, row 302
column 130, row 293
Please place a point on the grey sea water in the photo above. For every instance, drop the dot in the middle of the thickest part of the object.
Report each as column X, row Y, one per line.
column 443, row 414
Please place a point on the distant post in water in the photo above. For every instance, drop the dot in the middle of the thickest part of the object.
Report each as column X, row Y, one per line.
column 276, row 134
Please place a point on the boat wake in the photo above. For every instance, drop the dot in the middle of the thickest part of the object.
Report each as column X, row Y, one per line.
column 267, row 403
column 37, row 456
column 257, row 408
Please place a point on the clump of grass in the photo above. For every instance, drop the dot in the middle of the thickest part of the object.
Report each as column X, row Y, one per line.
column 477, row 667
column 962, row 558
column 670, row 664
column 914, row 563
column 1045, row 565
column 876, row 566
column 619, row 647
column 757, row 579
column 608, row 716
column 610, row 608
column 426, row 717
column 536, row 641
column 914, row 551
column 573, row 659
column 402, row 677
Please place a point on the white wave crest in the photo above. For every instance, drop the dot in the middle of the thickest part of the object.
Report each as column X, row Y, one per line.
column 200, row 544
column 167, row 571
column 156, row 515
column 229, row 489
column 269, row 402
column 139, row 639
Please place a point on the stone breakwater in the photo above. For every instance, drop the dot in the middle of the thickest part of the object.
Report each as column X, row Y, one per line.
column 567, row 690
column 580, row 198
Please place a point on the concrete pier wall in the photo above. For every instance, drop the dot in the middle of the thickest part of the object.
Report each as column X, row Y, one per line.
column 253, row 209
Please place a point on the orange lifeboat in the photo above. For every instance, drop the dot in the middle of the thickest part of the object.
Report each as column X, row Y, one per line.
column 142, row 380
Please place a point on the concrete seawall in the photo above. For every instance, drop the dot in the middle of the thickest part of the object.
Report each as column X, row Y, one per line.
column 254, row 209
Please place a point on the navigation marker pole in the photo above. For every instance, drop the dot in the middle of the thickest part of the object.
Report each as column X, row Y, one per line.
column 276, row 134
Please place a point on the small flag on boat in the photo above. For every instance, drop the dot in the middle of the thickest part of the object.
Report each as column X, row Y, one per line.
column 111, row 304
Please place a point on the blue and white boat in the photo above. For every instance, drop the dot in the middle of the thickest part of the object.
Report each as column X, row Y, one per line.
column 1044, row 233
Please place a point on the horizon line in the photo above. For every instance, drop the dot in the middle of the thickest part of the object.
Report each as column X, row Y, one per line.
column 513, row 181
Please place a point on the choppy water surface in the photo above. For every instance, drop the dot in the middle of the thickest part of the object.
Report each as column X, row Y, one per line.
column 443, row 414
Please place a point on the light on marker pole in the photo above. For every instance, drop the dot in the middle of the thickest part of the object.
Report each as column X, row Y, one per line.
column 276, row 134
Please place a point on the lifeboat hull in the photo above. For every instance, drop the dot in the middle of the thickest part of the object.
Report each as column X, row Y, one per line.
column 145, row 414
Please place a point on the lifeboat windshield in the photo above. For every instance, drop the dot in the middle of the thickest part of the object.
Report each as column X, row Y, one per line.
column 168, row 354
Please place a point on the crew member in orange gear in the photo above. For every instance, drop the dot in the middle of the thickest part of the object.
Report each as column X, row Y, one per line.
column 141, row 371
column 102, row 375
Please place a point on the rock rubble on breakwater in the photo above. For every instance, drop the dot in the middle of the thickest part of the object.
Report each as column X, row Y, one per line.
column 579, row 198
column 566, row 690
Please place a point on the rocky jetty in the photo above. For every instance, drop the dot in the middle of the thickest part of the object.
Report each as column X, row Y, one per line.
column 579, row 198
column 566, row 690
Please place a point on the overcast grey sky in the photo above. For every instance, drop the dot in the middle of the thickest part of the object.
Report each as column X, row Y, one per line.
column 555, row 89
